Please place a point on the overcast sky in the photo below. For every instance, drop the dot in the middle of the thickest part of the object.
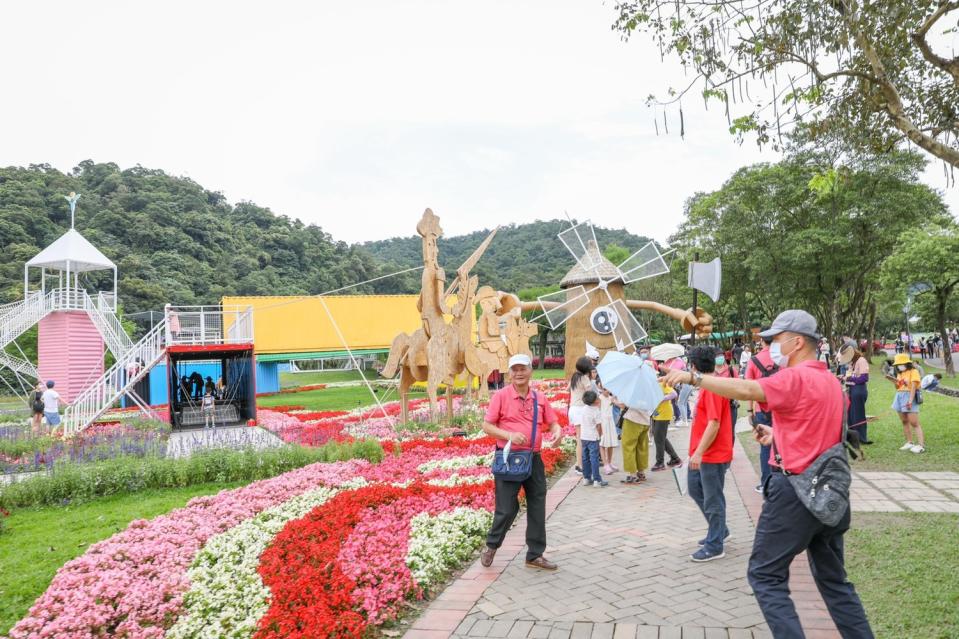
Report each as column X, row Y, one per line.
column 357, row 116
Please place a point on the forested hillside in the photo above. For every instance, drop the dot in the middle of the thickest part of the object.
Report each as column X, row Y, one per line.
column 172, row 239
column 522, row 255
column 176, row 241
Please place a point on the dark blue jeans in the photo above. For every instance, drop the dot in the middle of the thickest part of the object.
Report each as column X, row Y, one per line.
column 591, row 461
column 706, row 489
column 785, row 529
column 764, row 451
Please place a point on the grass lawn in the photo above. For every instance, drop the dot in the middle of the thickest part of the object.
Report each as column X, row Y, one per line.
column 295, row 380
column 350, row 397
column 35, row 542
column 899, row 563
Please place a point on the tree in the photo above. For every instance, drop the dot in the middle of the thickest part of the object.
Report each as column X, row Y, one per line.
column 927, row 256
column 805, row 234
column 864, row 74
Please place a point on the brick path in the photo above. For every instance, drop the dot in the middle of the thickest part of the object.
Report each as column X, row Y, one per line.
column 928, row 492
column 624, row 572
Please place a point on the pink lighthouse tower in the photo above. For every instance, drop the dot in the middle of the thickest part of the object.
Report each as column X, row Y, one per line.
column 76, row 320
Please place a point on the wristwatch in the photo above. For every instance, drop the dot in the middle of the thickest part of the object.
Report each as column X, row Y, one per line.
column 695, row 378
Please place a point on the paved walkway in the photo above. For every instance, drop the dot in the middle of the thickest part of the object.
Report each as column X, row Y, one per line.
column 624, row 571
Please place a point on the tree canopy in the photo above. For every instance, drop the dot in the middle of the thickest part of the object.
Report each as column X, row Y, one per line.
column 926, row 264
column 805, row 234
column 865, row 75
column 172, row 240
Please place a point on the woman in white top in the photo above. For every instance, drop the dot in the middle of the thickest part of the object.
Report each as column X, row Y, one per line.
column 610, row 438
column 579, row 383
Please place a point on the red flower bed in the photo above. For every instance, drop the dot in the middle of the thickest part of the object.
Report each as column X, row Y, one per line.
column 312, row 597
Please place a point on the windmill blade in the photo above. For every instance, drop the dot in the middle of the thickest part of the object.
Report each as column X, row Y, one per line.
column 562, row 305
column 627, row 331
column 645, row 263
column 576, row 239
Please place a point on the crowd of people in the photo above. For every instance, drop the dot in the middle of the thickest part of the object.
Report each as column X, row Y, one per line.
column 798, row 396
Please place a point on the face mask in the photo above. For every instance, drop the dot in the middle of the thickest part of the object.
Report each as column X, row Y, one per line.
column 644, row 356
column 720, row 361
column 779, row 358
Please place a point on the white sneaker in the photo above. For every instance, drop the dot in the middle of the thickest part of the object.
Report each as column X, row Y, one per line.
column 918, row 449
column 906, row 446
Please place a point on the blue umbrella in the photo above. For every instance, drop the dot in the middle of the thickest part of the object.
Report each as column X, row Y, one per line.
column 631, row 380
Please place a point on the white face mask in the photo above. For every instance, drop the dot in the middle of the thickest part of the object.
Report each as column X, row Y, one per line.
column 779, row 358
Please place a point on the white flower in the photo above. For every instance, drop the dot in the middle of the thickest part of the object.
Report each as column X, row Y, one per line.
column 441, row 542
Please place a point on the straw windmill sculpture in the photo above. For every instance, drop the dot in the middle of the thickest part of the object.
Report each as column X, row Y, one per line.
column 593, row 304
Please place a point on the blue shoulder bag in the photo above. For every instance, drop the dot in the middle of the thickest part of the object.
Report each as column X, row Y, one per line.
column 518, row 464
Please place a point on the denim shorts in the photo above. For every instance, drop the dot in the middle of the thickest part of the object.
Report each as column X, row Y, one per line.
column 52, row 418
column 899, row 403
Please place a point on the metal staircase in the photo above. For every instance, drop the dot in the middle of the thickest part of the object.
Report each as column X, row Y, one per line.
column 18, row 365
column 108, row 324
column 17, row 318
column 115, row 382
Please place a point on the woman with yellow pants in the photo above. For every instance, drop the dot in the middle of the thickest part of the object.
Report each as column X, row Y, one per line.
column 635, row 445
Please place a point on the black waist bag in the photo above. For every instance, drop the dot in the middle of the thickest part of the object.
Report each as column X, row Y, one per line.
column 823, row 488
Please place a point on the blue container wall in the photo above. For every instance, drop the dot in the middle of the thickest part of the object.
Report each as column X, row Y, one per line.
column 267, row 379
column 268, row 376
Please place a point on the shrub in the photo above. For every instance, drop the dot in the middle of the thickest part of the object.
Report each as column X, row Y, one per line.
column 71, row 482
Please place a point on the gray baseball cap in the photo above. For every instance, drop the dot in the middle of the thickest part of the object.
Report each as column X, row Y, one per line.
column 793, row 321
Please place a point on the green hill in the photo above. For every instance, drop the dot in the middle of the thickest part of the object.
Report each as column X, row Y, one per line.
column 176, row 241
column 172, row 239
column 522, row 256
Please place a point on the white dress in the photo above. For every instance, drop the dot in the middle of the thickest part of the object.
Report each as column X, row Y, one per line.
column 609, row 438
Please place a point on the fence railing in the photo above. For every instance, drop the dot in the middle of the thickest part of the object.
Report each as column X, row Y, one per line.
column 206, row 325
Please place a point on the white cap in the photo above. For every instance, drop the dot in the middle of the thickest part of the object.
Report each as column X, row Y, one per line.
column 520, row 358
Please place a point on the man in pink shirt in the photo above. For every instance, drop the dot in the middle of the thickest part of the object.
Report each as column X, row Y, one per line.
column 807, row 404
column 510, row 416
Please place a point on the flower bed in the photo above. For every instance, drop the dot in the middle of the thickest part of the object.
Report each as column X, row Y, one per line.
column 103, row 440
column 328, row 550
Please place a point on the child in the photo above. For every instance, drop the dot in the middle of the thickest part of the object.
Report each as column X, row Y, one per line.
column 591, row 431
column 609, row 439
column 208, row 407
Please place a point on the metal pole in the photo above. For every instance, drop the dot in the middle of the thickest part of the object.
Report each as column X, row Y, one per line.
column 692, row 332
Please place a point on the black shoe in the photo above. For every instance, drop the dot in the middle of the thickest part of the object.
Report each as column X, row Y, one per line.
column 675, row 462
column 658, row 467
column 867, row 442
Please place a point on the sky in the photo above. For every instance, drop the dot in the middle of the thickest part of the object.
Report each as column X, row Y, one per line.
column 357, row 116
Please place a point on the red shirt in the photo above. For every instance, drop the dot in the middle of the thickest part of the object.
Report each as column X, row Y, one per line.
column 710, row 407
column 807, row 402
column 753, row 372
column 514, row 413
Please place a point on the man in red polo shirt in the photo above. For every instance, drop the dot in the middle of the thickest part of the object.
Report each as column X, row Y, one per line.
column 807, row 404
column 510, row 416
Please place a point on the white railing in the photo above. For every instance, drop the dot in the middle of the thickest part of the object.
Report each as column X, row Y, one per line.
column 109, row 326
column 21, row 366
column 107, row 301
column 202, row 325
column 27, row 313
column 94, row 400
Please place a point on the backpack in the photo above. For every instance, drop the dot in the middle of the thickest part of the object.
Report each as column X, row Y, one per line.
column 37, row 402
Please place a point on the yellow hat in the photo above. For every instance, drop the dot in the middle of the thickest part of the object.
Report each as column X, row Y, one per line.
column 901, row 358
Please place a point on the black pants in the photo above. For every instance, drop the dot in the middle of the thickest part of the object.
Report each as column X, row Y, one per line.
column 507, row 507
column 785, row 529
column 660, row 429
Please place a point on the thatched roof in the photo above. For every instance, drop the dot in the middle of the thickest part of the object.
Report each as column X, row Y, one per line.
column 602, row 268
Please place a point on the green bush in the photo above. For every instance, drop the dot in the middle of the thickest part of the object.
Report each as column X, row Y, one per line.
column 69, row 482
